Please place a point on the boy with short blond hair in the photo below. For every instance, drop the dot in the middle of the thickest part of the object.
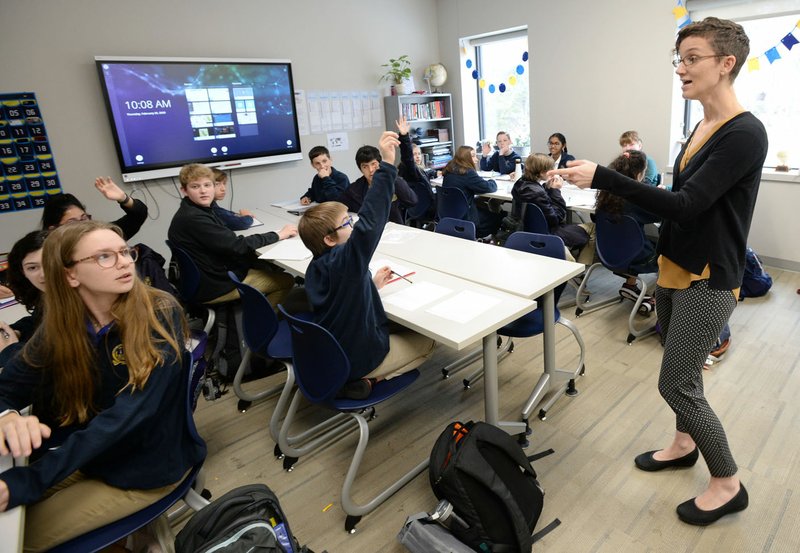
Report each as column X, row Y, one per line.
column 343, row 293
column 216, row 249
column 328, row 184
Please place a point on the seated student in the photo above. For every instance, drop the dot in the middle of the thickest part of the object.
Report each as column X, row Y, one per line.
column 328, row 184
column 557, row 144
column 65, row 208
column 629, row 140
column 104, row 376
column 368, row 159
column 503, row 160
column 632, row 163
column 231, row 219
column 411, row 167
column 216, row 249
column 534, row 187
column 460, row 173
column 344, row 294
column 26, row 279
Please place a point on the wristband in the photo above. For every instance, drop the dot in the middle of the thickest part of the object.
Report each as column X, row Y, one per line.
column 124, row 200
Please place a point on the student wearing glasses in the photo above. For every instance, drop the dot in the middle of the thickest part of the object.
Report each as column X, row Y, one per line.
column 702, row 245
column 557, row 146
column 66, row 208
column 110, row 433
column 343, row 293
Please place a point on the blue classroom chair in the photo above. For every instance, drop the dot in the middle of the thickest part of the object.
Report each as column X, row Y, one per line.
column 619, row 242
column 533, row 220
column 451, row 202
column 265, row 335
column 456, row 227
column 321, row 369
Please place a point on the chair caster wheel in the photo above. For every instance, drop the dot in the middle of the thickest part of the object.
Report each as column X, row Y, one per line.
column 445, row 374
column 511, row 347
column 276, row 451
column 523, row 442
column 499, row 341
column 288, row 463
column 631, row 338
column 206, row 494
column 571, row 389
column 542, row 415
column 243, row 405
column 350, row 523
column 528, row 429
column 578, row 312
column 466, row 383
column 583, row 370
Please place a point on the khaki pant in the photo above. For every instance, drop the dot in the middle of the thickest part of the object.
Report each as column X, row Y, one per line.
column 273, row 284
column 587, row 253
column 407, row 351
column 79, row 504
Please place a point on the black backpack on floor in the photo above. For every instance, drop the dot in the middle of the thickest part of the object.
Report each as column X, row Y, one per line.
column 485, row 475
column 248, row 518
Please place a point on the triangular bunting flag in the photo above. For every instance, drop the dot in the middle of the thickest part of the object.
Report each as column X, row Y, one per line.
column 753, row 64
column 679, row 11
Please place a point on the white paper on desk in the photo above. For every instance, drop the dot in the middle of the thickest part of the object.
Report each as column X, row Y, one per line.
column 293, row 206
column 395, row 236
column 415, row 296
column 5, row 302
column 398, row 269
column 464, row 306
column 256, row 223
column 290, row 250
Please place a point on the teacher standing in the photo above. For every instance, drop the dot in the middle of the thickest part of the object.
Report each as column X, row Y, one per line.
column 702, row 250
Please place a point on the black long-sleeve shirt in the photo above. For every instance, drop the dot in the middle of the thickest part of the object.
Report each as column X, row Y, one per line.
column 214, row 248
column 707, row 215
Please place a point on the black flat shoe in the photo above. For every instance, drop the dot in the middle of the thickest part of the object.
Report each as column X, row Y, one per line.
column 690, row 513
column 645, row 461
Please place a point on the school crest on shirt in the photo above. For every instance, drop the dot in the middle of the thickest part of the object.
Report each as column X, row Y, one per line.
column 118, row 355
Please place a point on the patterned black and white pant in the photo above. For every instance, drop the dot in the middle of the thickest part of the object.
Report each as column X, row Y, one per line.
column 691, row 321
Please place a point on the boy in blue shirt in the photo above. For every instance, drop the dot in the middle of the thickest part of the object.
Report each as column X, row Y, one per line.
column 343, row 293
column 328, row 183
column 231, row 219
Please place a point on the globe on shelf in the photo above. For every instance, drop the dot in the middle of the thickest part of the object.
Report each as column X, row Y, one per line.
column 435, row 74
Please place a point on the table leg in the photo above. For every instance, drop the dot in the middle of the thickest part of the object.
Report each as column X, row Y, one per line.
column 549, row 333
column 490, row 395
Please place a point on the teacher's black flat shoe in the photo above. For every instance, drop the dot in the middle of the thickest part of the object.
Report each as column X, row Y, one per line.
column 689, row 513
column 645, row 461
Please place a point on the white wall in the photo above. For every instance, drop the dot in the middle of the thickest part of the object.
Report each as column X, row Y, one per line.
column 49, row 47
column 598, row 69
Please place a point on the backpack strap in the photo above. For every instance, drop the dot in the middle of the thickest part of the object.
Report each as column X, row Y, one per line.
column 537, row 456
column 546, row 530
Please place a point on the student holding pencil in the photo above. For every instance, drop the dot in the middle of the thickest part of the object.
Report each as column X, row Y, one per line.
column 343, row 292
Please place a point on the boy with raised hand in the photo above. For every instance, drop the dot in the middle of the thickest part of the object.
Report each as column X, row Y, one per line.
column 231, row 219
column 328, row 183
column 344, row 294
column 216, row 249
column 368, row 159
column 504, row 159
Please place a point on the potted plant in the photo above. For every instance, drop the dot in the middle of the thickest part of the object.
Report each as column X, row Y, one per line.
column 398, row 73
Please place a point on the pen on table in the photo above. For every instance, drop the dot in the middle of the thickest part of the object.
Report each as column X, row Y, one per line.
column 401, row 276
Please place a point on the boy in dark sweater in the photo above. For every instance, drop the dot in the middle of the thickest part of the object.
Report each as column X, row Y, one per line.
column 216, row 249
column 344, row 294
column 328, row 183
